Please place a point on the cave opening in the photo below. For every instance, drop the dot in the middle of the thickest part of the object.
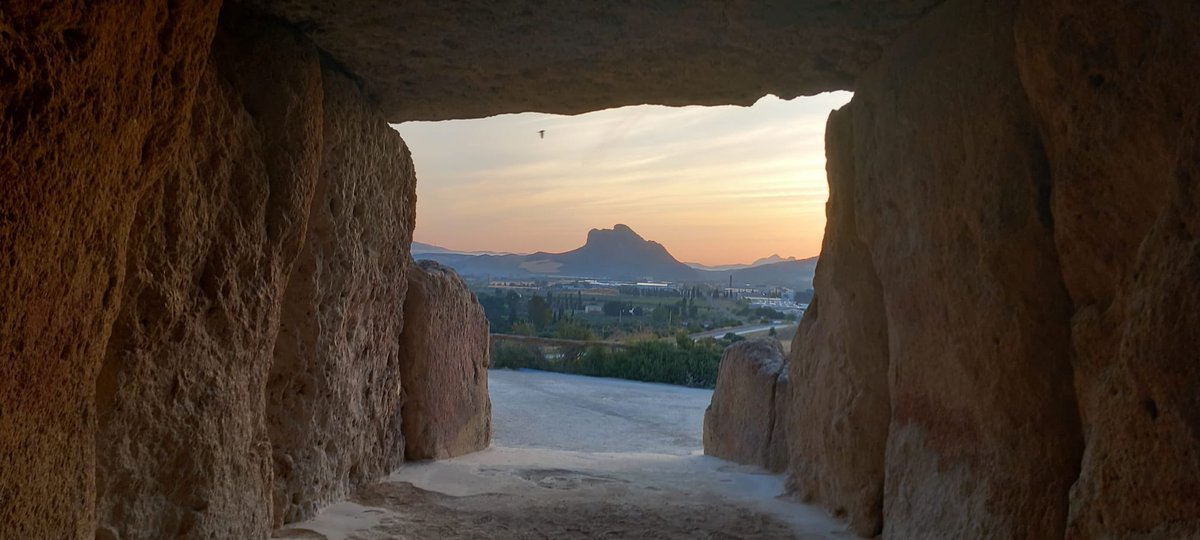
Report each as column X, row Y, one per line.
column 615, row 255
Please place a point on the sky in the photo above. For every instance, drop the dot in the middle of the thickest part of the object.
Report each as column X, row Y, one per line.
column 715, row 185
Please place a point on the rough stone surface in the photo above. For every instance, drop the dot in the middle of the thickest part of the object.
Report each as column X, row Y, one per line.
column 182, row 447
column 426, row 60
column 333, row 398
column 1025, row 196
column 1114, row 91
column 90, row 101
column 445, row 358
column 954, row 206
column 779, row 450
column 740, row 424
column 839, row 361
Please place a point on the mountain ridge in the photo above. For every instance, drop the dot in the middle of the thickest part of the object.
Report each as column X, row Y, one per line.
column 621, row 253
column 616, row 253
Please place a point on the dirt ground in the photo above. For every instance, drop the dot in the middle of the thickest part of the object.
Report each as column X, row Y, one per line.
column 578, row 457
column 405, row 512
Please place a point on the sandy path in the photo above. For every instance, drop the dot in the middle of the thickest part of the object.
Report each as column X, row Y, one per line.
column 578, row 457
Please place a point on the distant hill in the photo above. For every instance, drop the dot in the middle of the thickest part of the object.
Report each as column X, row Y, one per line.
column 616, row 253
column 699, row 266
column 775, row 258
column 419, row 247
column 795, row 274
column 621, row 253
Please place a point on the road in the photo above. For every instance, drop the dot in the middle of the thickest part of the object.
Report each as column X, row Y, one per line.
column 740, row 330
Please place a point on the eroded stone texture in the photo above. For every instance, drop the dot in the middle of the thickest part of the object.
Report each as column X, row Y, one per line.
column 954, row 198
column 447, row 411
column 1114, row 89
column 741, row 423
column 90, row 95
column 108, row 160
column 334, row 394
column 839, row 362
column 182, row 447
column 425, row 60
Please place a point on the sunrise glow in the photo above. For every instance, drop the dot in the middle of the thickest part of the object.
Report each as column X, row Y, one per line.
column 715, row 185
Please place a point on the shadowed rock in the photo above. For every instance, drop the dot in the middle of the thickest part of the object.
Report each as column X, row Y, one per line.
column 421, row 60
column 839, row 361
column 984, row 435
column 741, row 423
column 1114, row 91
column 334, row 394
column 94, row 106
column 182, row 446
column 445, row 358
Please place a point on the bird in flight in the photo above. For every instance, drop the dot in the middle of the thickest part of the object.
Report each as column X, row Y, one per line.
column 542, row 133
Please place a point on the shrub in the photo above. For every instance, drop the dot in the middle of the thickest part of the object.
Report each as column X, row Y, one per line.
column 693, row 364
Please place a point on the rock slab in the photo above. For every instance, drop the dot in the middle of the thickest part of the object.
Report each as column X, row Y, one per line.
column 741, row 424
column 839, row 361
column 436, row 61
column 182, row 447
column 953, row 195
column 334, row 393
column 93, row 105
column 1114, row 91
column 444, row 363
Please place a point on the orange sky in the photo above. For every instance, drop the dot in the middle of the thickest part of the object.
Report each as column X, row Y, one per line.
column 715, row 185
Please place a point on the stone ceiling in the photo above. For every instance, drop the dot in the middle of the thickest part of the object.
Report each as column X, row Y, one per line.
column 436, row 60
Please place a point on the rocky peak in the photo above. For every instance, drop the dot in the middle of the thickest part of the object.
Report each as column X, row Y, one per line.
column 620, row 233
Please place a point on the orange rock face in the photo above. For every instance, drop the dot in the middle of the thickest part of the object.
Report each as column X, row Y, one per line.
column 182, row 447
column 1114, row 90
column 840, row 410
column 741, row 423
column 334, row 394
column 444, row 363
column 209, row 324
column 90, row 101
column 1027, row 200
column 954, row 208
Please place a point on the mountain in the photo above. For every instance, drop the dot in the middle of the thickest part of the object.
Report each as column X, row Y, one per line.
column 716, row 267
column 616, row 253
column 775, row 258
column 419, row 247
column 792, row 273
column 621, row 253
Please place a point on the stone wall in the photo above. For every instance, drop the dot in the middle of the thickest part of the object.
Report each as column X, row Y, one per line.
column 1012, row 241
column 182, row 447
column 952, row 234
column 1024, row 205
column 234, row 185
column 1114, row 93
column 93, row 103
column 334, row 393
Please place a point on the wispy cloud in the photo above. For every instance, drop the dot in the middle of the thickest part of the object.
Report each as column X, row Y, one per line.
column 713, row 184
